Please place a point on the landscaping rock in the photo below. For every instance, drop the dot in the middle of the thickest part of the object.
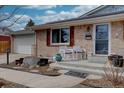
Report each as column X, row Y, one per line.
column 32, row 66
column 17, row 67
column 34, row 70
column 50, row 69
column 37, row 66
column 30, row 61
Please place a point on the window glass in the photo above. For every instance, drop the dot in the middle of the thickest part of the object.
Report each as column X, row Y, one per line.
column 102, row 39
column 102, row 31
column 61, row 35
column 55, row 35
column 101, row 46
column 64, row 35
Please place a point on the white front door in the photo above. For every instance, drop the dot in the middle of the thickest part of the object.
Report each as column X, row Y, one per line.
column 102, row 39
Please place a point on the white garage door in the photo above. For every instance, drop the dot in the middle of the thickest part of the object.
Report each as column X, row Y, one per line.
column 23, row 44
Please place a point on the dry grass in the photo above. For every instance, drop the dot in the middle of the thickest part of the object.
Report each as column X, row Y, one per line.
column 114, row 75
column 2, row 84
column 100, row 83
column 8, row 84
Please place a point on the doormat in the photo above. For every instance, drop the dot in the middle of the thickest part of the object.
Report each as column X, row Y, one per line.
column 77, row 74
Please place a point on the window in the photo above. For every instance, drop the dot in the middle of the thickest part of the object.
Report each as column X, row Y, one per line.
column 60, row 36
column 55, row 36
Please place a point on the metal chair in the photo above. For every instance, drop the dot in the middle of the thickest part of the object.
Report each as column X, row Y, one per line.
column 66, row 53
column 69, row 54
column 79, row 51
column 62, row 51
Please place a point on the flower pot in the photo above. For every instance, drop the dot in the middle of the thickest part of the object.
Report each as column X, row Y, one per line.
column 43, row 62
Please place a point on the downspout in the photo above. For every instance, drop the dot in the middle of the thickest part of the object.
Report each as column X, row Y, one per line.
column 35, row 41
column 12, row 43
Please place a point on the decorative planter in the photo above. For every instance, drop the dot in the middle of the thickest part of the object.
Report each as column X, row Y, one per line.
column 43, row 62
column 117, row 60
column 57, row 57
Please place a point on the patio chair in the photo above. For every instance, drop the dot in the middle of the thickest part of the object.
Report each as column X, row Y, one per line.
column 79, row 51
column 62, row 50
column 69, row 54
column 66, row 53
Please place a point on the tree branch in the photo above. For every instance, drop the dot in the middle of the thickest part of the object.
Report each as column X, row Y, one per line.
column 15, row 21
column 10, row 16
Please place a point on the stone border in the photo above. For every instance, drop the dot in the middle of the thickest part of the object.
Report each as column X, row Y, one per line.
column 28, row 71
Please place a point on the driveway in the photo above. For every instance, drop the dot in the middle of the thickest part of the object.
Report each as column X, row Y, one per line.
column 12, row 57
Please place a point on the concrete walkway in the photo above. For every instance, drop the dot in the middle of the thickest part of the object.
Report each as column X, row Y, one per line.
column 39, row 81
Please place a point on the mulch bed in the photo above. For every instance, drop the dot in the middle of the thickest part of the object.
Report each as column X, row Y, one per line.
column 43, row 70
column 8, row 84
column 98, row 83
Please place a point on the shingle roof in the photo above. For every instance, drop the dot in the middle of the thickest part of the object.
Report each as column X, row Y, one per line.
column 87, row 15
column 78, row 18
column 21, row 32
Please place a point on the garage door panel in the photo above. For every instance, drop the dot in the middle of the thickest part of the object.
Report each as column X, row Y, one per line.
column 24, row 49
column 23, row 44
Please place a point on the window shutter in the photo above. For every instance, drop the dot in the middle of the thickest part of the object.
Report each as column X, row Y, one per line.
column 72, row 36
column 48, row 37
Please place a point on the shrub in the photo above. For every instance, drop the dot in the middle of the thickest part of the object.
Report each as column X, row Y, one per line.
column 114, row 75
column 2, row 84
column 58, row 57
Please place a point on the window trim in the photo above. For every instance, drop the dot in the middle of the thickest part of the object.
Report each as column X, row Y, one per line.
column 109, row 38
column 51, row 43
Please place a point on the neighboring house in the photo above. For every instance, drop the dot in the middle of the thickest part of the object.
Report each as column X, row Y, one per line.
column 23, row 42
column 100, row 32
column 4, row 31
column 5, row 41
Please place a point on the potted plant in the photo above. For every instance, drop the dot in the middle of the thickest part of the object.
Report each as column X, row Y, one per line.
column 57, row 57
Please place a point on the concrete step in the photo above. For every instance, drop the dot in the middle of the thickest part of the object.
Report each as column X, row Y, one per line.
column 97, row 59
column 84, row 65
column 78, row 69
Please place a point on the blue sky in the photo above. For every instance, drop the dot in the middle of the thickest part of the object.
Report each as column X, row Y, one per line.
column 41, row 14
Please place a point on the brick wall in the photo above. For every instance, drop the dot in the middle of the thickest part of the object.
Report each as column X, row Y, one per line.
column 117, row 40
column 80, row 38
column 42, row 48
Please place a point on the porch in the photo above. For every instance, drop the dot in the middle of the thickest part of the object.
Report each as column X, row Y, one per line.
column 83, row 66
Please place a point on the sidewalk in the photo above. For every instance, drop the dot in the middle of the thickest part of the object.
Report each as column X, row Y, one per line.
column 39, row 81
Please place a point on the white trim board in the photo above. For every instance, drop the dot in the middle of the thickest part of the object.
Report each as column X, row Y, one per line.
column 109, row 38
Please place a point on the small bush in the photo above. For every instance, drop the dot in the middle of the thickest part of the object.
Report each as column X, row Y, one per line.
column 2, row 84
column 114, row 75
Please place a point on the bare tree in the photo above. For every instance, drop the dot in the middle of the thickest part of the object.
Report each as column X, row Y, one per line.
column 9, row 16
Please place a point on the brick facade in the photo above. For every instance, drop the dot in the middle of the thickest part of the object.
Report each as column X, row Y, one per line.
column 42, row 48
column 80, row 38
column 117, row 40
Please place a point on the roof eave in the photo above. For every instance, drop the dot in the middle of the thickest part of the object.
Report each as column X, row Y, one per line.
column 94, row 20
column 22, row 33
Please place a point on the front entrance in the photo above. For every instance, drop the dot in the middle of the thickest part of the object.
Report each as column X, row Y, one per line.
column 101, row 39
